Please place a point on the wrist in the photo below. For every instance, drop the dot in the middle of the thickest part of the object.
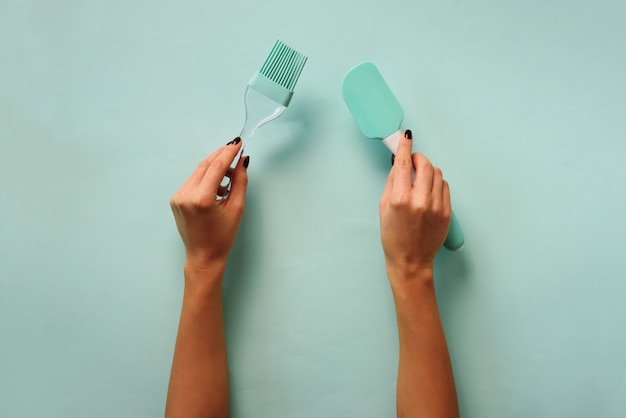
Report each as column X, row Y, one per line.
column 409, row 272
column 203, row 283
column 205, row 260
column 406, row 282
column 414, row 298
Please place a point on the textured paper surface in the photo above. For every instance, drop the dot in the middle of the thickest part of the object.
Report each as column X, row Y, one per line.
column 106, row 107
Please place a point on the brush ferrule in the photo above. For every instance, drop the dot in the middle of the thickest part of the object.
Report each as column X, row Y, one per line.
column 270, row 89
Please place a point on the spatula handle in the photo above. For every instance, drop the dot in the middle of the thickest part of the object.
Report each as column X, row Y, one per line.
column 455, row 239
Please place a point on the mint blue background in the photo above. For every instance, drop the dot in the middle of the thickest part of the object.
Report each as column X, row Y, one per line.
column 107, row 106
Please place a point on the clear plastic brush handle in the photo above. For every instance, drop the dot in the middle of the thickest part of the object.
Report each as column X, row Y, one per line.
column 259, row 110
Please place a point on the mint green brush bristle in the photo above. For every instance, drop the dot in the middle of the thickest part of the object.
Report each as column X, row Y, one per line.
column 270, row 89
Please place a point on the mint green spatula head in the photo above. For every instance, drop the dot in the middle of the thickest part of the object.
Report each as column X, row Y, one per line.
column 371, row 102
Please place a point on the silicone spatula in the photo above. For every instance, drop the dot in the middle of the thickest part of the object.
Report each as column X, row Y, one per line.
column 379, row 116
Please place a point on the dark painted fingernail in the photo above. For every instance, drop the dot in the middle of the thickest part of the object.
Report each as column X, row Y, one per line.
column 393, row 158
column 408, row 134
column 234, row 141
column 246, row 161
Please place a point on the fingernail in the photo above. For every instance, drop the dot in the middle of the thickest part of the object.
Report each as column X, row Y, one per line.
column 393, row 158
column 246, row 161
column 234, row 141
column 408, row 134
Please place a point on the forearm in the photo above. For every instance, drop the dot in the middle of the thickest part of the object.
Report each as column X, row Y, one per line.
column 425, row 380
column 199, row 379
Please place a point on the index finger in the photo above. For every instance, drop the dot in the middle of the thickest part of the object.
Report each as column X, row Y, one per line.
column 403, row 164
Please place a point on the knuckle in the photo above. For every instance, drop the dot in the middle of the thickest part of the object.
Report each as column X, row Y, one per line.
column 400, row 200
column 178, row 199
column 203, row 164
column 403, row 161
column 422, row 209
column 199, row 201
column 421, row 206
column 220, row 165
